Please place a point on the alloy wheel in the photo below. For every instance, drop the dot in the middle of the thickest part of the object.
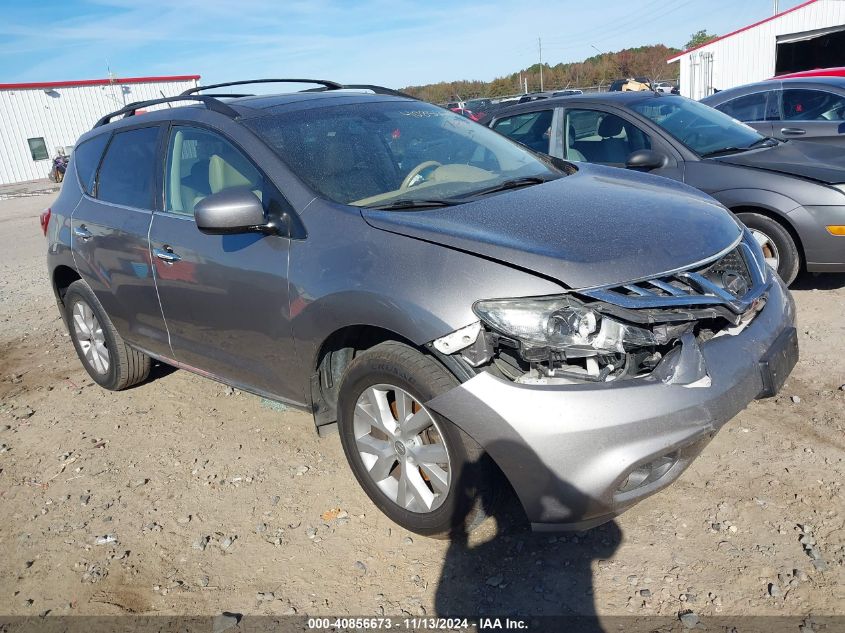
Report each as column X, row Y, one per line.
column 402, row 448
column 89, row 334
column 770, row 249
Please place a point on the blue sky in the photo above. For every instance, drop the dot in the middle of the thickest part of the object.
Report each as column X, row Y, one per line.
column 389, row 42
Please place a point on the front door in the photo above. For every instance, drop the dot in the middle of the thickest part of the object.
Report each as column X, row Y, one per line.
column 812, row 115
column 224, row 297
column 608, row 138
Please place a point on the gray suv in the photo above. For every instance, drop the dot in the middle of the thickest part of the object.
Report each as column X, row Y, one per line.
column 456, row 306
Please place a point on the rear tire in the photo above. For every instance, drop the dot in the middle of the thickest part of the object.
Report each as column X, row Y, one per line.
column 777, row 244
column 109, row 361
column 387, row 380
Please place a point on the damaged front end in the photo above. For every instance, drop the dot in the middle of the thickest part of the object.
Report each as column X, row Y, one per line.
column 616, row 332
column 592, row 400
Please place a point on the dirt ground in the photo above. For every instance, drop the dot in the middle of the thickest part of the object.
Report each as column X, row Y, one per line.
column 182, row 497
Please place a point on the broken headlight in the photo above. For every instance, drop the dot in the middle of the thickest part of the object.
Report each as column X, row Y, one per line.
column 560, row 324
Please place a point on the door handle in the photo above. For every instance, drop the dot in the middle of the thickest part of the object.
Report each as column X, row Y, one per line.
column 82, row 233
column 792, row 131
column 166, row 255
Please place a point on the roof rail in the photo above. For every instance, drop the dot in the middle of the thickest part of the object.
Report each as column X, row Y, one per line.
column 330, row 85
column 210, row 102
column 381, row 90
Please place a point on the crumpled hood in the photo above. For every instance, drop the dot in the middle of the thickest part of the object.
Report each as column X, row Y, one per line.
column 817, row 161
column 598, row 226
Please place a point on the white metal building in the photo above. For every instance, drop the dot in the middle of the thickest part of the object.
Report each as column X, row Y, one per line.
column 810, row 35
column 37, row 120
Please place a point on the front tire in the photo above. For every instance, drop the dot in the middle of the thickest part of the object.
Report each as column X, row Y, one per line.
column 109, row 361
column 779, row 248
column 421, row 470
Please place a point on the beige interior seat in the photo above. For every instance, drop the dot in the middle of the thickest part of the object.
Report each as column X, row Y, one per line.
column 222, row 175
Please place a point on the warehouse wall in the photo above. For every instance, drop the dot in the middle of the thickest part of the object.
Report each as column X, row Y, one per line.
column 60, row 116
column 749, row 56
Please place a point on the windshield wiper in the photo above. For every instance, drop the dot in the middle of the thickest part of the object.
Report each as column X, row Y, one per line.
column 513, row 183
column 412, row 204
column 766, row 141
column 723, row 151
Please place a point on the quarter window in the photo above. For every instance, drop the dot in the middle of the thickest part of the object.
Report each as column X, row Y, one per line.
column 86, row 157
column 38, row 148
column 532, row 129
column 127, row 175
column 201, row 163
column 594, row 136
column 812, row 105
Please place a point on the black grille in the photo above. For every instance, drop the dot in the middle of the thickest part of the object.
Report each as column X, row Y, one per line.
column 730, row 273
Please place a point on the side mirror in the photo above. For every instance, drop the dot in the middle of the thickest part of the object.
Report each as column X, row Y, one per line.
column 646, row 160
column 235, row 210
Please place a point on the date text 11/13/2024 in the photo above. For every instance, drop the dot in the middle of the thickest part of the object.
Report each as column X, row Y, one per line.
column 418, row 624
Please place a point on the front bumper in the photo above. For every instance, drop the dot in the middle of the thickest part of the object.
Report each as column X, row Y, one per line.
column 570, row 452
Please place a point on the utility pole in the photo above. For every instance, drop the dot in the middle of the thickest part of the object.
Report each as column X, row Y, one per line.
column 540, row 48
column 776, row 7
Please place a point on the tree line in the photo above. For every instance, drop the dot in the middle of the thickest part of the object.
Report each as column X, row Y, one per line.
column 599, row 70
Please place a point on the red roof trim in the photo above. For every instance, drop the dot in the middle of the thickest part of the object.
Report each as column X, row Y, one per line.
column 744, row 28
column 117, row 81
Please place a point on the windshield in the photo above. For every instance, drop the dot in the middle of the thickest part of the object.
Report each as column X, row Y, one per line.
column 386, row 153
column 701, row 128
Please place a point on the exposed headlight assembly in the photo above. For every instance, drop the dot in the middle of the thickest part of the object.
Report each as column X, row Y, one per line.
column 561, row 324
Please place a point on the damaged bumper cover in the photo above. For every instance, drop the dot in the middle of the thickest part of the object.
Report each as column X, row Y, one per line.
column 578, row 455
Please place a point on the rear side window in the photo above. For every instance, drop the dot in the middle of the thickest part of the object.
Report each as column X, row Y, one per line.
column 86, row 157
column 127, row 175
column 532, row 129
column 747, row 108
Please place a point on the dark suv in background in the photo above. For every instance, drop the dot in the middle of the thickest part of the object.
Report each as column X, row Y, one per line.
column 454, row 303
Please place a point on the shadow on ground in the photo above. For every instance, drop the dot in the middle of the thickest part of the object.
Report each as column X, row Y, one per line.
column 819, row 281
column 520, row 573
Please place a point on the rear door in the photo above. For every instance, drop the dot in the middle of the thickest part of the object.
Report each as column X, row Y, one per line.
column 224, row 297
column 812, row 114
column 109, row 232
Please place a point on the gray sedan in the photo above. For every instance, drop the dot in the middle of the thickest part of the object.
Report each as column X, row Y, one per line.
column 805, row 108
column 790, row 194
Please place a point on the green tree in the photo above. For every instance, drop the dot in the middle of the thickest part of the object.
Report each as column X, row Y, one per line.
column 698, row 38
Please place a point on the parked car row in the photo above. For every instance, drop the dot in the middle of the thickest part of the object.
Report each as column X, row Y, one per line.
column 457, row 306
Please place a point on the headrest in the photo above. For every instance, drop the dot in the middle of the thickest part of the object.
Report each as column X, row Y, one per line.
column 610, row 126
column 221, row 175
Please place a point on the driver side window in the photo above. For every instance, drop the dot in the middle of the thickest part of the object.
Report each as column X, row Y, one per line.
column 201, row 163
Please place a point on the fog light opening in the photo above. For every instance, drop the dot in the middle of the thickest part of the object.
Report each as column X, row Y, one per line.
column 647, row 473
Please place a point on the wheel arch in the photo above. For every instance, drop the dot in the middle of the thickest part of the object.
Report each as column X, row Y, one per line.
column 339, row 349
column 62, row 277
column 781, row 219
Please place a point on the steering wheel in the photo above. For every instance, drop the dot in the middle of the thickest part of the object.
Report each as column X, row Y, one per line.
column 406, row 183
